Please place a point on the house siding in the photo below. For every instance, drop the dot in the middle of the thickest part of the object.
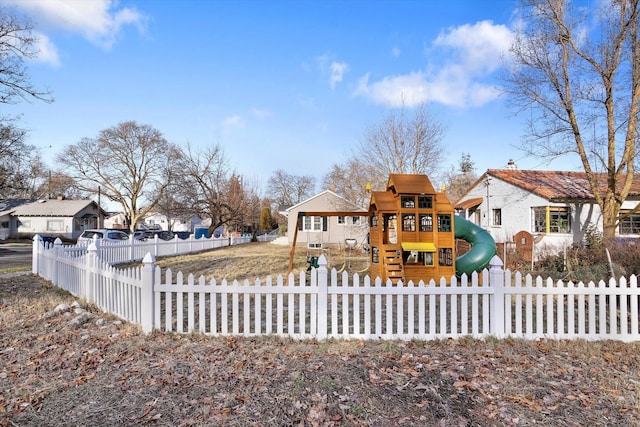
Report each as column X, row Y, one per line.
column 335, row 233
column 516, row 207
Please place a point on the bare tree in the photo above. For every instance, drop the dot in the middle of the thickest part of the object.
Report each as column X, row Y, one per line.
column 215, row 192
column 348, row 180
column 17, row 46
column 128, row 163
column 576, row 71
column 288, row 190
column 403, row 142
column 460, row 179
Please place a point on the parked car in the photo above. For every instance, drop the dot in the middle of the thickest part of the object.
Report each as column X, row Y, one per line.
column 102, row 234
column 150, row 234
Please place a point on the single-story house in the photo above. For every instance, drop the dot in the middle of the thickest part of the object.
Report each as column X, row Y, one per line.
column 326, row 230
column 6, row 208
column 50, row 217
column 158, row 221
column 556, row 208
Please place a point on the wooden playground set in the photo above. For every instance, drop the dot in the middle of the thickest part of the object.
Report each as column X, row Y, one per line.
column 413, row 231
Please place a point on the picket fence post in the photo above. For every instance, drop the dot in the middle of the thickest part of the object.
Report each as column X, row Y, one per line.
column 86, row 291
column 57, row 250
column 323, row 300
column 496, row 281
column 35, row 252
column 146, row 292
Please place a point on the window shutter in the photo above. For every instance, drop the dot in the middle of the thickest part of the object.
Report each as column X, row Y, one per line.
column 300, row 223
column 324, row 223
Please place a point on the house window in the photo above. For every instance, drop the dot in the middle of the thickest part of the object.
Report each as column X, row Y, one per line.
column 356, row 220
column 425, row 202
column 373, row 221
column 497, row 216
column 4, row 224
column 55, row 225
column 445, row 256
column 375, row 255
column 341, row 220
column 408, row 222
column 552, row 219
column 408, row 202
column 426, row 222
column 630, row 224
column 24, row 224
column 444, row 222
column 314, row 223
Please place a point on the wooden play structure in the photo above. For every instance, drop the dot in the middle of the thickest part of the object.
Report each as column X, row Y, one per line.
column 413, row 231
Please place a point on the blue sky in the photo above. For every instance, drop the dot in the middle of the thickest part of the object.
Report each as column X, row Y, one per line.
column 289, row 85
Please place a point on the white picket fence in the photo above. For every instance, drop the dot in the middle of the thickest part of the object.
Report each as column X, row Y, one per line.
column 323, row 304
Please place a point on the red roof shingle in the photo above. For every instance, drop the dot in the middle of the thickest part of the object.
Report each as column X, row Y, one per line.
column 558, row 185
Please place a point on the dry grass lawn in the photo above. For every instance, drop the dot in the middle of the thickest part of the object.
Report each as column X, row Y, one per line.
column 107, row 373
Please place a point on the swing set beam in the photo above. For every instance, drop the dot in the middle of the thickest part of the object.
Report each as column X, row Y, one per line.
column 323, row 214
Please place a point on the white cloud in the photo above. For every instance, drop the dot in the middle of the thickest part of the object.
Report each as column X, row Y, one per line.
column 337, row 72
column 333, row 69
column 47, row 51
column 99, row 21
column 462, row 79
column 395, row 52
column 231, row 123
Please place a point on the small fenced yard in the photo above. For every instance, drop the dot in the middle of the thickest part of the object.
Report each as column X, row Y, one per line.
column 322, row 303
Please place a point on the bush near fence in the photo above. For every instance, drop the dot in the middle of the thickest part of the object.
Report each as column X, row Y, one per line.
column 323, row 304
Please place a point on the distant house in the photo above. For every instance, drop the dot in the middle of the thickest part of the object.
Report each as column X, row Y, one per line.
column 6, row 208
column 56, row 218
column 158, row 221
column 555, row 208
column 316, row 231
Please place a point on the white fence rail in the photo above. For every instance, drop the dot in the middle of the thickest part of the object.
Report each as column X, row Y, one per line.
column 323, row 304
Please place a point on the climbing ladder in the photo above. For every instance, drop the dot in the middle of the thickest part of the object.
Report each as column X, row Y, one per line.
column 392, row 262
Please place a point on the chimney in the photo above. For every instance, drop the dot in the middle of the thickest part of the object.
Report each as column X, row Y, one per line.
column 511, row 165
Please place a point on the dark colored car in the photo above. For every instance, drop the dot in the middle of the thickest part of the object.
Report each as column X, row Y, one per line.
column 150, row 235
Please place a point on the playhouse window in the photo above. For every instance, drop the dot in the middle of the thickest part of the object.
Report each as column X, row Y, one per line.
column 444, row 222
column 418, row 258
column 445, row 256
column 425, row 202
column 426, row 222
column 373, row 221
column 408, row 222
column 408, row 202
column 375, row 255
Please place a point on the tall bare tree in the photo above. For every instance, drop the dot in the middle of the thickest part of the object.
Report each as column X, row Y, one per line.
column 288, row 190
column 576, row 72
column 214, row 190
column 405, row 141
column 17, row 46
column 128, row 163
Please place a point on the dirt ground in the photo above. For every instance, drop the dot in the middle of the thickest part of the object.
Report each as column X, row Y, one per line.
column 55, row 370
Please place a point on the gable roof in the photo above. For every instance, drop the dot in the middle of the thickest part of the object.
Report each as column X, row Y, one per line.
column 383, row 201
column 347, row 204
column 410, row 184
column 52, row 208
column 555, row 186
column 8, row 205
